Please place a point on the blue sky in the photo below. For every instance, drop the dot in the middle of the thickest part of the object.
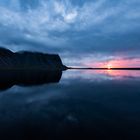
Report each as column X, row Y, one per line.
column 83, row 30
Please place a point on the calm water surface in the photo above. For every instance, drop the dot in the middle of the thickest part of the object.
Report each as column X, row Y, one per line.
column 83, row 104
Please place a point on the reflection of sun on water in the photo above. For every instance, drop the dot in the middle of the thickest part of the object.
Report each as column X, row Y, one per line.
column 114, row 73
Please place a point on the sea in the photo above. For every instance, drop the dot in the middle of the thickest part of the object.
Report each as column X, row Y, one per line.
column 73, row 104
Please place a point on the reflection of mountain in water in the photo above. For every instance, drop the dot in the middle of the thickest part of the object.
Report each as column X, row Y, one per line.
column 28, row 68
column 8, row 78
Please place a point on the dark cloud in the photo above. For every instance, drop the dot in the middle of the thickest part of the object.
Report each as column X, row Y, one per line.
column 71, row 27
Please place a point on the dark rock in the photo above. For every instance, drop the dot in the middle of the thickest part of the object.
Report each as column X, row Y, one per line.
column 29, row 60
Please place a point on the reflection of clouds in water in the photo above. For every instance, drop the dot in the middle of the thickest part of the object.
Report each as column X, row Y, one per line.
column 73, row 105
column 26, row 95
column 122, row 74
column 83, row 75
column 100, row 75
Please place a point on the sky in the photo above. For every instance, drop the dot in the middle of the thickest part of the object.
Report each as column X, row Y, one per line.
column 89, row 33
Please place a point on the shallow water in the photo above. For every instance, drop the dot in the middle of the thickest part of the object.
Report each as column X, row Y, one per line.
column 96, row 104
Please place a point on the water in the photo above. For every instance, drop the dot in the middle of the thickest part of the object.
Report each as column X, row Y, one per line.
column 82, row 104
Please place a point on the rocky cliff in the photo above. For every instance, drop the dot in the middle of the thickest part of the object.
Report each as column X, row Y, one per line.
column 29, row 60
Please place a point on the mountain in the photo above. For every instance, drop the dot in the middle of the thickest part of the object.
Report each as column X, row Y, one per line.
column 29, row 60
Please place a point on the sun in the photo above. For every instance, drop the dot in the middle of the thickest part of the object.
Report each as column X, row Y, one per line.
column 109, row 66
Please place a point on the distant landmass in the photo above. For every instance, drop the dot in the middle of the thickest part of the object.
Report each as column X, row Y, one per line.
column 29, row 60
column 123, row 68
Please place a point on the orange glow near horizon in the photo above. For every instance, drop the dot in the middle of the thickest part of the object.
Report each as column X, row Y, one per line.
column 116, row 63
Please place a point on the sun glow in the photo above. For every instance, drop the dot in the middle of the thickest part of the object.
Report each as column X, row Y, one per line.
column 109, row 66
column 113, row 63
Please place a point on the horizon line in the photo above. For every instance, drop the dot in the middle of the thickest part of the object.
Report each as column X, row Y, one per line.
column 122, row 68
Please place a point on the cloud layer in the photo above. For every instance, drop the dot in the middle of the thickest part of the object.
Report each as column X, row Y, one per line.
column 65, row 26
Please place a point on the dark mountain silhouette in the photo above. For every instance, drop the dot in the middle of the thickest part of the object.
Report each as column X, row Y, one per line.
column 29, row 60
